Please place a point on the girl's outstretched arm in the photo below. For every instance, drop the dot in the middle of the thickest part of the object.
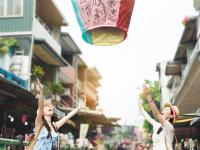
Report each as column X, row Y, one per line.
column 152, row 105
column 62, row 121
column 40, row 110
column 155, row 110
column 146, row 115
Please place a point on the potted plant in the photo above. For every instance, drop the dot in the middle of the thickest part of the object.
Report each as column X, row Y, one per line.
column 36, row 72
column 7, row 44
column 7, row 47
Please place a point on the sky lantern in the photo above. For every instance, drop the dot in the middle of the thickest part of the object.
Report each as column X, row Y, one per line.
column 103, row 22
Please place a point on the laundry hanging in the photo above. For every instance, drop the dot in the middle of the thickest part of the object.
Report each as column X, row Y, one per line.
column 103, row 22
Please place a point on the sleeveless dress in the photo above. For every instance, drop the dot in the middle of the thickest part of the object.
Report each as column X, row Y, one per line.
column 159, row 139
column 167, row 133
column 44, row 143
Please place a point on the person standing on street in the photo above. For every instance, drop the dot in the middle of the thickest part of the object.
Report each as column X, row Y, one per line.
column 45, row 129
column 163, row 130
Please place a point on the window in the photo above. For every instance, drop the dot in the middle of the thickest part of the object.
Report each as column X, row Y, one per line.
column 11, row 8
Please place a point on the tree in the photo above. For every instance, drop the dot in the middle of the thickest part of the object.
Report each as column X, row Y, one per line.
column 155, row 92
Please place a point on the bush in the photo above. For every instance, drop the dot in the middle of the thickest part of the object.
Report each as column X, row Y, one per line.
column 58, row 88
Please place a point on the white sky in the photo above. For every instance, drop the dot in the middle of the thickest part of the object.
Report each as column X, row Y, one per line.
column 153, row 36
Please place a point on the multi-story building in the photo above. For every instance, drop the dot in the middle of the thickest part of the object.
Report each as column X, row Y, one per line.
column 35, row 27
column 92, row 83
column 180, row 77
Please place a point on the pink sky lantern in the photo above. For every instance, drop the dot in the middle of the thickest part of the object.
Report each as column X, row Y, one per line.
column 103, row 22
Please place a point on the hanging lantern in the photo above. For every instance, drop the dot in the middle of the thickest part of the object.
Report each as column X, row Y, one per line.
column 103, row 22
column 24, row 118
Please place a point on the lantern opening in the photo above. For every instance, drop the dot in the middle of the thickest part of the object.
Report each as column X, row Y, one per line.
column 106, row 36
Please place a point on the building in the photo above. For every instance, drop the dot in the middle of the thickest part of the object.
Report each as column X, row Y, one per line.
column 34, row 28
column 180, row 78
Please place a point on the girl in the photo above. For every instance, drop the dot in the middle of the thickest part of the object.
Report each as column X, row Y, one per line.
column 163, row 131
column 47, row 137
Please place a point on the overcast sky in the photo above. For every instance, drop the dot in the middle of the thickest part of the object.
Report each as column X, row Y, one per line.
column 154, row 32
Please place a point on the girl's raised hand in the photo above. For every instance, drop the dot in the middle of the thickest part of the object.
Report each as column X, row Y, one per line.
column 40, row 84
column 146, row 90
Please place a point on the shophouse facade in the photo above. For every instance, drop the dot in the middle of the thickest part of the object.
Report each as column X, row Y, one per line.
column 36, row 25
column 179, row 79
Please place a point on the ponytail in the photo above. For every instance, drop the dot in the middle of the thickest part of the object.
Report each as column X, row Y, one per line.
column 47, row 127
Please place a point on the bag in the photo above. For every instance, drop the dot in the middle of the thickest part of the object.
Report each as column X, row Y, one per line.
column 33, row 139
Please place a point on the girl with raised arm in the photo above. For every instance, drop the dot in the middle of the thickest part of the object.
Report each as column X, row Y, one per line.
column 163, row 130
column 45, row 130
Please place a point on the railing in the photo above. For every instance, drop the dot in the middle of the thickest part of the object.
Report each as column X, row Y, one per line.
column 44, row 25
column 13, row 78
column 67, row 75
column 5, row 144
column 42, row 31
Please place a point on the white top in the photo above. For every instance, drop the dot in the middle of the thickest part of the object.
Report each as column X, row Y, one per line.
column 159, row 139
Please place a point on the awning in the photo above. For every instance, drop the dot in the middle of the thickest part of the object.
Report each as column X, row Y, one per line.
column 183, row 128
column 14, row 97
column 91, row 117
column 195, row 121
column 189, row 35
column 50, row 13
column 187, row 98
column 44, row 52
column 68, row 44
column 173, row 68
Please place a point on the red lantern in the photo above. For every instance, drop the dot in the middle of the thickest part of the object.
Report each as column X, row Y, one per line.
column 24, row 118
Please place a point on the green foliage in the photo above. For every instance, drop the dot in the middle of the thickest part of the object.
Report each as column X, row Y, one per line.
column 58, row 88
column 155, row 93
column 6, row 43
column 37, row 72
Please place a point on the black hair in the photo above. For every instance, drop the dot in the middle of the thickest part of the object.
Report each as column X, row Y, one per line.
column 48, row 127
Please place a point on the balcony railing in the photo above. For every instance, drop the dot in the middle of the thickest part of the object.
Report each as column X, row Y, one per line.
column 67, row 75
column 42, row 32
column 13, row 78
column 44, row 25
column 6, row 143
